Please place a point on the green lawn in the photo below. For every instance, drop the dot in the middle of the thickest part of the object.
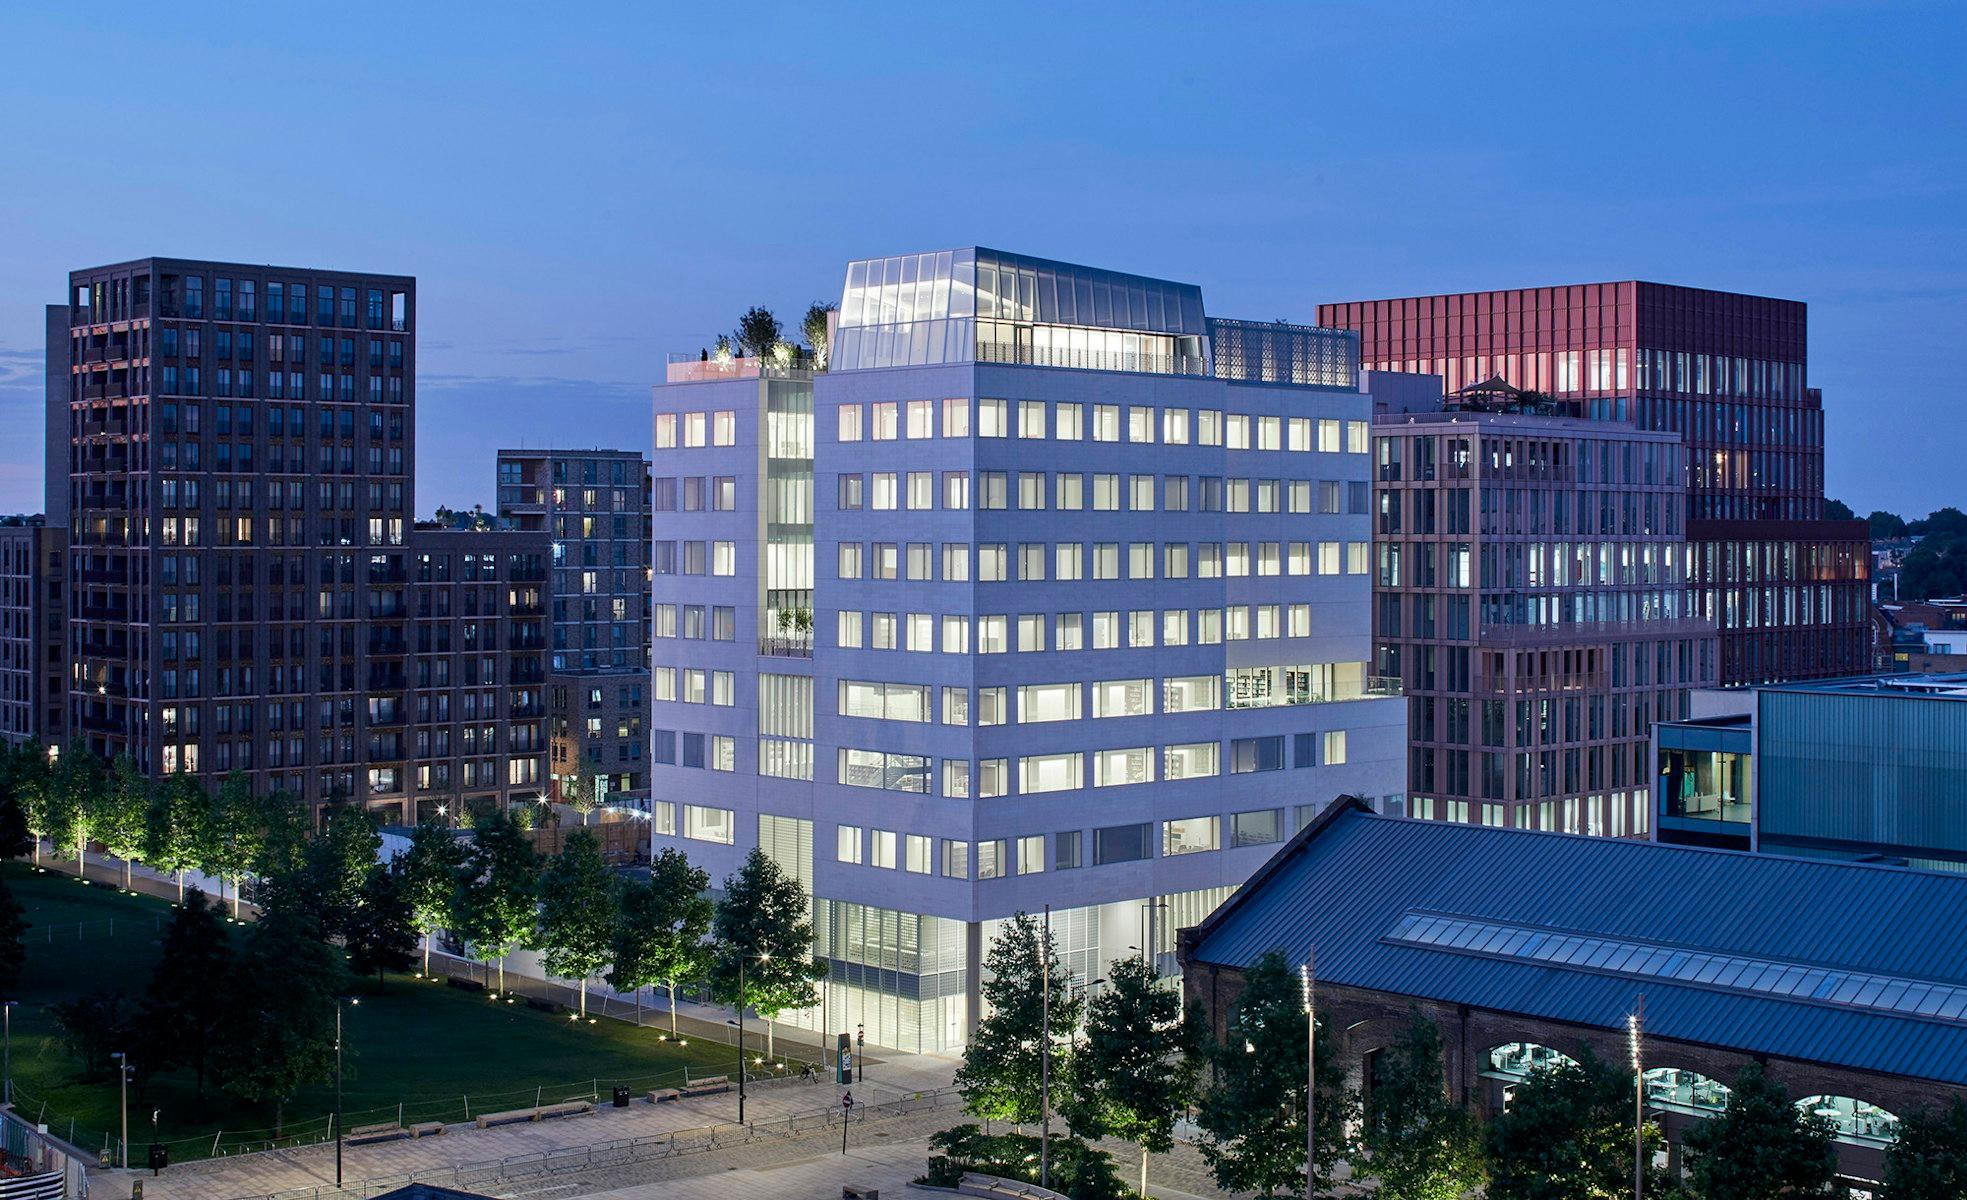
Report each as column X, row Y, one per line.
column 423, row 1045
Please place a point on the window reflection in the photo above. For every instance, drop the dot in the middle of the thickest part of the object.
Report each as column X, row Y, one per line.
column 1521, row 1058
column 1675, row 1088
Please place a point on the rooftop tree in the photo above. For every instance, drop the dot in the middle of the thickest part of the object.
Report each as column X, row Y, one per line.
column 758, row 332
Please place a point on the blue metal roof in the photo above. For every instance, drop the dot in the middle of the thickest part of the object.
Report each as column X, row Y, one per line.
column 1346, row 882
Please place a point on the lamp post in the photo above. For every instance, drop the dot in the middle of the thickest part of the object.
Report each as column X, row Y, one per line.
column 123, row 1080
column 1633, row 1023
column 860, row 1052
column 7, row 1017
column 741, row 958
column 1311, row 1069
column 1045, row 1058
column 338, row 1113
column 1149, row 950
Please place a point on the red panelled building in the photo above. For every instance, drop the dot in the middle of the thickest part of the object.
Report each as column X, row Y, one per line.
column 1726, row 372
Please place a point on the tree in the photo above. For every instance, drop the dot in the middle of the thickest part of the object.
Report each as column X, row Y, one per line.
column 337, row 865
column 122, row 812
column 185, row 1006
column 1949, row 520
column 765, row 922
column 1001, row 1069
column 577, row 911
column 1837, row 510
column 13, row 952
column 1936, row 568
column 431, row 869
column 660, row 928
column 1929, row 1159
column 237, row 835
column 1136, row 1071
column 814, row 326
column 1420, row 1145
column 1886, row 524
column 69, row 800
column 377, row 930
column 496, row 906
column 21, row 769
column 96, row 1026
column 1761, row 1147
column 578, row 790
column 1568, row 1134
column 1252, row 1114
column 280, row 1027
column 178, row 832
column 758, row 332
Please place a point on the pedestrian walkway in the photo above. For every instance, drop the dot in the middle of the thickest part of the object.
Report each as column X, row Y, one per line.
column 604, row 1138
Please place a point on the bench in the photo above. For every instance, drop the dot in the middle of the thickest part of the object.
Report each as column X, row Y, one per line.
column 385, row 1132
column 850, row 1191
column 545, row 1112
column 546, row 1006
column 462, row 984
column 664, row 1095
column 974, row 1184
column 710, row 1085
column 424, row 1129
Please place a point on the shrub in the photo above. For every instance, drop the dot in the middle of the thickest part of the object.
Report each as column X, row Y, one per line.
column 1078, row 1170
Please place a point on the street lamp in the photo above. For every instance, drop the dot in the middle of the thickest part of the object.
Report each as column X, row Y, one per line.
column 338, row 1113
column 123, row 1079
column 1045, row 1057
column 1633, row 1023
column 1311, row 1068
column 7, row 1018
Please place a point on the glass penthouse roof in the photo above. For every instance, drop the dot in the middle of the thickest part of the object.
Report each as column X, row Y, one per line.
column 979, row 305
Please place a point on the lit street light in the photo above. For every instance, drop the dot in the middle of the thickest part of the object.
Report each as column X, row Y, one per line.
column 338, row 1115
column 123, row 1067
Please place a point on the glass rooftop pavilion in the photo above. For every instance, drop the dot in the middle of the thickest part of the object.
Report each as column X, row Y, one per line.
column 980, row 305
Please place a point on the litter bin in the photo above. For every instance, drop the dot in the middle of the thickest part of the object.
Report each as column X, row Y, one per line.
column 160, row 1157
column 621, row 1097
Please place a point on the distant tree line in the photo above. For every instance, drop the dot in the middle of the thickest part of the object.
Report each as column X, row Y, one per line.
column 1937, row 566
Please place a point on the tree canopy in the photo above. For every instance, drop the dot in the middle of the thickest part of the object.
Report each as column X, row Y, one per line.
column 660, row 928
column 1420, row 1145
column 999, row 1075
column 577, row 911
column 1761, row 1147
column 1135, row 1071
column 1567, row 1133
column 764, row 920
column 1929, row 1159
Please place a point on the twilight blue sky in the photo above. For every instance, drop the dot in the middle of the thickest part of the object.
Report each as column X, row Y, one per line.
column 583, row 189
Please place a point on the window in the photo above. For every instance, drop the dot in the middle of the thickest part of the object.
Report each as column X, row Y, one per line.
column 956, row 778
column 919, row 851
column 1039, row 773
column 1247, row 755
column 1189, row 835
column 881, row 849
column 993, row 419
column 993, row 859
column 705, row 824
column 1121, row 843
column 1031, row 418
column 956, row 706
column 1334, row 747
column 1192, row 760
column 921, row 418
column 1191, row 693
column 956, row 859
column 849, row 417
column 1124, row 697
column 1044, row 702
column 1117, row 768
column 956, row 418
column 847, row 840
column 1066, row 853
column 1031, row 854
column 882, row 424
column 1258, row 828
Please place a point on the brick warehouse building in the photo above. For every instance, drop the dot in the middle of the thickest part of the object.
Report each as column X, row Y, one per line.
column 1822, row 971
column 1726, row 372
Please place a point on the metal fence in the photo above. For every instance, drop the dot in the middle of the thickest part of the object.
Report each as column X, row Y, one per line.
column 478, row 1176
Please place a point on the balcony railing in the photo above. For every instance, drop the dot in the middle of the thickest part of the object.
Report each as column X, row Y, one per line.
column 786, row 647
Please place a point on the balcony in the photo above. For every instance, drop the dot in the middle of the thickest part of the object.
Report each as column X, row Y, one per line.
column 785, row 647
